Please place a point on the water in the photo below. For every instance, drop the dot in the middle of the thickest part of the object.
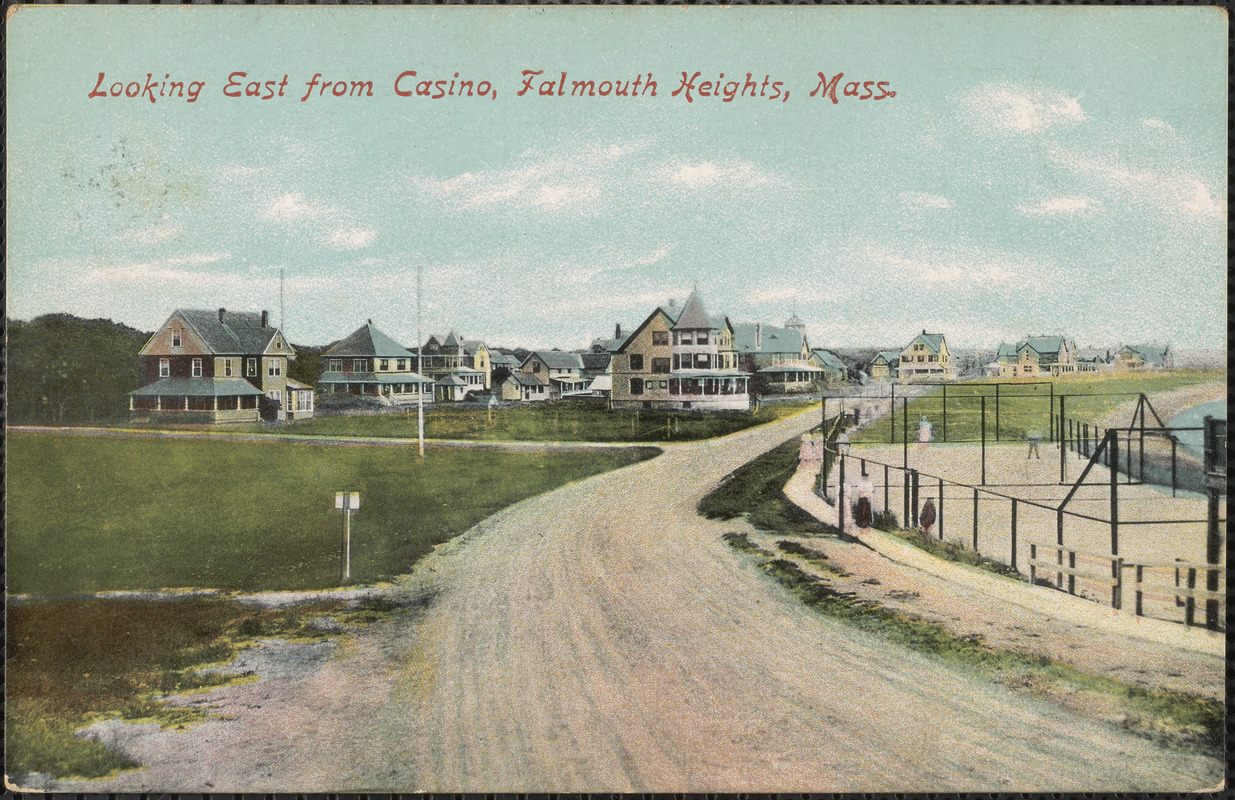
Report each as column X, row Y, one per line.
column 1194, row 441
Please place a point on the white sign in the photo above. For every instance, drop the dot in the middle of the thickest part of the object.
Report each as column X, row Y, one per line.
column 346, row 501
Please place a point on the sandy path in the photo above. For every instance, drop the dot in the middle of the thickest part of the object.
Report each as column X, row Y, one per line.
column 602, row 637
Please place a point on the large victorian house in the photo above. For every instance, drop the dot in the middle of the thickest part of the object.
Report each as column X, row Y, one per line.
column 368, row 362
column 460, row 366
column 682, row 362
column 218, row 366
column 1037, row 356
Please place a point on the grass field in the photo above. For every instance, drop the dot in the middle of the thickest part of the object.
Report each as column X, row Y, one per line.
column 1025, row 407
column 550, row 421
column 94, row 514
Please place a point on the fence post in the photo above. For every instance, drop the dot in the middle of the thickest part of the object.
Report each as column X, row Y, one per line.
column 1213, row 544
column 996, row 412
column 914, row 504
column 975, row 520
column 905, row 520
column 1052, row 415
column 1117, row 591
column 1014, row 534
column 1113, row 448
column 1072, row 575
column 1063, row 442
column 983, row 440
column 1140, row 577
column 905, row 432
column 1190, row 604
column 1173, row 446
column 1033, row 566
column 885, row 488
column 892, row 416
column 945, row 414
column 1059, row 550
column 840, row 493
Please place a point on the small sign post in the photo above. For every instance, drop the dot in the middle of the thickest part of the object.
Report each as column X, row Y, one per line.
column 348, row 503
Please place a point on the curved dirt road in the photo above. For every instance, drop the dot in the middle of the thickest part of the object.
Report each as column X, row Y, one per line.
column 603, row 637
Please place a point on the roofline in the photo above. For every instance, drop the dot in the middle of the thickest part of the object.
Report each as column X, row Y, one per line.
column 643, row 325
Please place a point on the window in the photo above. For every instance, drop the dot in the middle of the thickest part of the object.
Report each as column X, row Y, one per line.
column 401, row 365
column 165, row 367
column 919, row 359
column 535, row 366
column 636, row 385
column 197, row 368
column 334, row 365
column 274, row 367
column 177, row 341
column 275, row 395
column 664, row 384
column 702, row 361
column 687, row 337
column 227, row 367
column 251, row 367
column 358, row 365
column 660, row 366
column 660, row 338
column 385, row 365
column 701, row 337
column 636, row 361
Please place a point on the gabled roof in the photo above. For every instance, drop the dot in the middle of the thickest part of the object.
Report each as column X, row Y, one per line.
column 828, row 359
column 889, row 357
column 367, row 340
column 596, row 362
column 1149, row 355
column 472, row 346
column 694, row 316
column 622, row 347
column 1046, row 345
column 498, row 359
column 556, row 359
column 933, row 341
column 1006, row 352
column 237, row 332
column 451, row 340
column 749, row 337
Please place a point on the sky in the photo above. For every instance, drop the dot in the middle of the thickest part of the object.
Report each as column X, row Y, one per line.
column 1040, row 170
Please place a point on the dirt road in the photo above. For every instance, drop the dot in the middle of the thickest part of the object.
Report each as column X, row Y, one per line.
column 602, row 637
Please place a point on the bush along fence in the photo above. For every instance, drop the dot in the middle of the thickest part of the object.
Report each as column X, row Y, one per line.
column 1085, row 557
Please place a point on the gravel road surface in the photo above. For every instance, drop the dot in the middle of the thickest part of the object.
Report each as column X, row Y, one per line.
column 602, row 637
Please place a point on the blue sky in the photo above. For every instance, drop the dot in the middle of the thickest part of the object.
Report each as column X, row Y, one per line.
column 1040, row 170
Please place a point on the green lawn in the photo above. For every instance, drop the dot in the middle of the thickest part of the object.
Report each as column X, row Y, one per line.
column 1025, row 407
column 550, row 421
column 96, row 514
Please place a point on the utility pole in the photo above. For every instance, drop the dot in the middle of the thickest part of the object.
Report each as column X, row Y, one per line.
column 420, row 395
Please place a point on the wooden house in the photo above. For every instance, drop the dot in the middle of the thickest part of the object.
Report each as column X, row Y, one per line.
column 370, row 363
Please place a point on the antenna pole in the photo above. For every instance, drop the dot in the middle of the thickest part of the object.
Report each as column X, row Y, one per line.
column 282, row 326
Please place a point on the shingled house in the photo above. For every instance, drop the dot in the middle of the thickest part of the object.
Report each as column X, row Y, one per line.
column 1037, row 356
column 926, row 359
column 368, row 362
column 218, row 366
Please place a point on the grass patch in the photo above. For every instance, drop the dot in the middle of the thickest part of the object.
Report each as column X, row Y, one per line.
column 558, row 421
column 1165, row 716
column 948, row 551
column 94, row 514
column 1026, row 407
column 72, row 662
column 754, row 490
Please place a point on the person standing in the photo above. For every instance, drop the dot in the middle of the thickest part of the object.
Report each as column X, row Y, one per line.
column 1035, row 439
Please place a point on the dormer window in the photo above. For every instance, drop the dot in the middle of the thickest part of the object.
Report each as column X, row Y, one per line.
column 177, row 341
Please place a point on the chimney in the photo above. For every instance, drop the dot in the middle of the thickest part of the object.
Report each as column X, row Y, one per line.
column 222, row 311
column 617, row 331
column 370, row 322
column 924, row 331
column 265, row 319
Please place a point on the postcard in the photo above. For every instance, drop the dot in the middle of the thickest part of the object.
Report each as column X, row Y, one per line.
column 615, row 399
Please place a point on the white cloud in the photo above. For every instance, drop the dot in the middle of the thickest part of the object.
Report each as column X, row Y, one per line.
column 708, row 173
column 932, row 268
column 1017, row 108
column 292, row 206
column 794, row 292
column 1059, row 205
column 924, row 200
column 1156, row 123
column 353, row 239
column 1182, row 192
column 158, row 233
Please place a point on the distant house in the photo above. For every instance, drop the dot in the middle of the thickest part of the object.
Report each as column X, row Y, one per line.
column 1143, row 357
column 1036, row 356
column 834, row 371
column 467, row 362
column 603, row 345
column 368, row 362
column 926, row 359
column 560, row 374
column 217, row 366
column 883, row 366
column 781, row 356
column 679, row 361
